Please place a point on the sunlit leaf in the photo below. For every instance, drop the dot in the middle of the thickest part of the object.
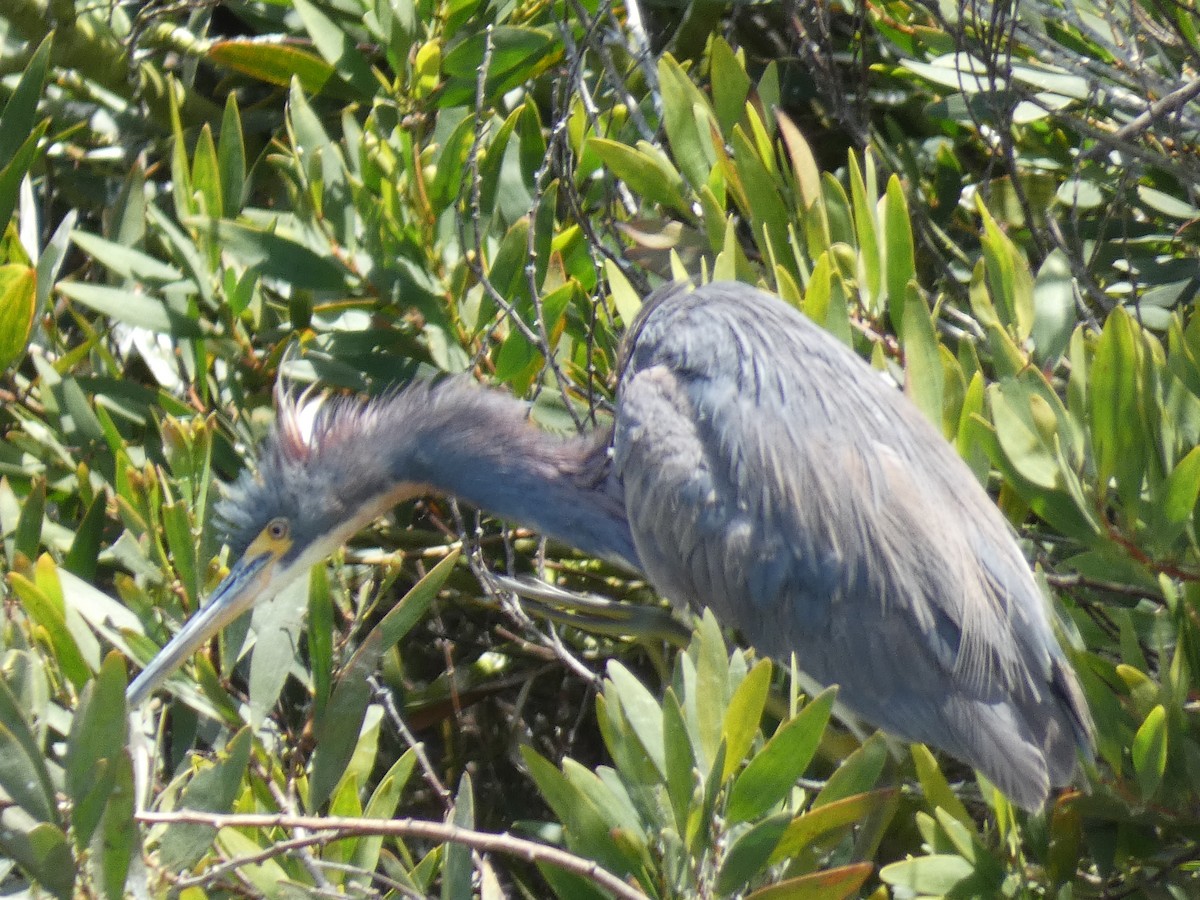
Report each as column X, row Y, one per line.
column 744, row 714
column 274, row 63
column 774, row 770
column 934, row 875
column 17, row 294
column 1150, row 752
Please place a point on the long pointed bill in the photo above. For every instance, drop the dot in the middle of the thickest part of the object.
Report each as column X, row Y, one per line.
column 241, row 588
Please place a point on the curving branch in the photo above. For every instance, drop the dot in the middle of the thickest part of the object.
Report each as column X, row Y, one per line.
column 325, row 829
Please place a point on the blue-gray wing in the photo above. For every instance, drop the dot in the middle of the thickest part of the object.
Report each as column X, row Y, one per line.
column 771, row 475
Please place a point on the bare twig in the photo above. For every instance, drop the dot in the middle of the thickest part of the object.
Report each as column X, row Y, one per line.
column 476, row 193
column 287, row 804
column 384, row 698
column 332, row 828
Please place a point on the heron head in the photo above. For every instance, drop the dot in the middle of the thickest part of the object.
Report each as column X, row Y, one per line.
column 320, row 476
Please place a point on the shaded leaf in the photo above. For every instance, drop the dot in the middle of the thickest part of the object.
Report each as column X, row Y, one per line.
column 213, row 789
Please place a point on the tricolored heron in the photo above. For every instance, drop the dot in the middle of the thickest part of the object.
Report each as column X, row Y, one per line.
column 755, row 466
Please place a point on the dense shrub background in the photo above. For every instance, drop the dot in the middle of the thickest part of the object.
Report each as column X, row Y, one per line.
column 995, row 202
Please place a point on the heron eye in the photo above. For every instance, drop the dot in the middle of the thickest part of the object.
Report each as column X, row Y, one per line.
column 277, row 529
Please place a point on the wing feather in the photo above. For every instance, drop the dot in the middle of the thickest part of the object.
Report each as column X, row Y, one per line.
column 772, row 475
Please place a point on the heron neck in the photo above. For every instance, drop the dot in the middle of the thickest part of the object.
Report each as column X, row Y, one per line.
column 481, row 448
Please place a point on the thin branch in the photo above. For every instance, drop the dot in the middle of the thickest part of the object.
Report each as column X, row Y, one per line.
column 384, row 698
column 475, row 261
column 287, row 804
column 299, row 844
column 332, row 828
column 1074, row 579
column 1171, row 103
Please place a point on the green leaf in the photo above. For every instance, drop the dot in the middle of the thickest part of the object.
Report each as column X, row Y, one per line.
column 730, row 84
column 337, row 731
column 625, row 298
column 265, row 878
column 12, row 174
column 338, row 49
column 830, row 884
column 411, row 609
column 934, row 875
column 52, row 617
column 213, row 790
column 706, row 703
column 1007, row 358
column 125, row 261
column 1150, row 752
column 569, row 886
column 514, row 49
column 743, row 715
column 382, row 805
column 447, row 184
column 924, row 381
column 507, row 270
column 95, row 745
column 457, row 867
column 588, row 831
column 28, row 535
column 808, row 182
column 177, row 525
column 684, row 106
column 680, row 760
column 118, row 837
column 769, row 216
column 42, row 852
column 747, row 857
column 870, row 269
column 231, row 158
column 319, row 637
column 937, row 790
column 1008, row 276
column 899, row 256
column 774, row 770
column 277, row 256
column 206, row 179
column 841, row 220
column 274, row 63
column 139, row 310
column 645, row 171
column 610, row 797
column 1026, row 431
column 858, row 772
column 23, row 774
column 20, row 113
column 50, row 263
column 18, row 286
column 641, row 710
column 830, row 821
column 278, row 626
column 1173, row 505
column 1117, row 407
column 1055, row 316
column 635, row 767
